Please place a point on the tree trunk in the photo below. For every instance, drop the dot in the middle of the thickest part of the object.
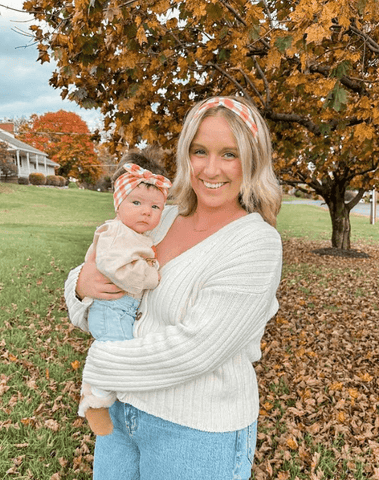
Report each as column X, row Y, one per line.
column 341, row 228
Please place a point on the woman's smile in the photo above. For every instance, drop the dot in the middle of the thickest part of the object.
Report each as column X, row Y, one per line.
column 213, row 185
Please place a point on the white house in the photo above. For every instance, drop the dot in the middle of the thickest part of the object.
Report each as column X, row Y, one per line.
column 28, row 159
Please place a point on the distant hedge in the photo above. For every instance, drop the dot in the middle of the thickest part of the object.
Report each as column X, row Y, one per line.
column 37, row 179
column 23, row 180
column 63, row 181
column 55, row 180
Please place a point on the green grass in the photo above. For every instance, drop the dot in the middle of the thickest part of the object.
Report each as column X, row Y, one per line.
column 314, row 223
column 44, row 232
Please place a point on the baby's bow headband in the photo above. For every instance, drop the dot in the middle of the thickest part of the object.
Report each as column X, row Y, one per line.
column 132, row 178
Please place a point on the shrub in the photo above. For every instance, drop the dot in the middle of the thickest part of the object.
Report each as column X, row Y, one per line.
column 72, row 185
column 53, row 180
column 62, row 181
column 104, row 184
column 37, row 179
column 23, row 181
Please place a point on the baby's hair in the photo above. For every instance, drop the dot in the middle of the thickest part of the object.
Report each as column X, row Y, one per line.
column 149, row 158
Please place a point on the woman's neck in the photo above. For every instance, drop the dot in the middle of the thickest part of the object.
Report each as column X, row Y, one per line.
column 205, row 219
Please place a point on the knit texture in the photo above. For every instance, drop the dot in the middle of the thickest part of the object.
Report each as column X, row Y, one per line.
column 191, row 359
column 121, row 255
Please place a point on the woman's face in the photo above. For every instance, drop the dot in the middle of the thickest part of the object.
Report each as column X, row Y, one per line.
column 217, row 170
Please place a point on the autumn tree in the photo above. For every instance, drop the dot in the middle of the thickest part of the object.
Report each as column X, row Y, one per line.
column 7, row 164
column 310, row 67
column 65, row 137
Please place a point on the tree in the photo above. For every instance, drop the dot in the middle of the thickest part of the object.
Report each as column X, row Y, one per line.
column 7, row 164
column 310, row 67
column 65, row 137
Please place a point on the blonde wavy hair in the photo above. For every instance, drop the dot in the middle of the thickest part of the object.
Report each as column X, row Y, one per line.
column 260, row 191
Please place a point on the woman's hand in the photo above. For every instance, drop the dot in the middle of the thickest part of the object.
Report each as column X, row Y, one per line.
column 92, row 283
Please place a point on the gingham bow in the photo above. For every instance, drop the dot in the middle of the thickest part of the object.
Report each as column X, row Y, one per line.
column 132, row 178
column 238, row 108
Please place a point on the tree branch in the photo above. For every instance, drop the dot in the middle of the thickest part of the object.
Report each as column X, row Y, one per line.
column 350, row 205
column 14, row 9
column 371, row 44
column 256, row 91
column 355, row 85
column 268, row 13
column 267, row 86
column 293, row 118
column 358, row 174
column 231, row 79
column 240, row 19
column 234, row 12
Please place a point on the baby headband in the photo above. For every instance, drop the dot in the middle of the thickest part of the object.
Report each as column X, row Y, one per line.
column 132, row 178
column 238, row 108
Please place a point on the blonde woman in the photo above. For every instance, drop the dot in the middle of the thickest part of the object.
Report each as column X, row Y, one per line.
column 187, row 392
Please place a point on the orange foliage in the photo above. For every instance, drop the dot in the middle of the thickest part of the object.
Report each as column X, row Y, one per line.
column 65, row 137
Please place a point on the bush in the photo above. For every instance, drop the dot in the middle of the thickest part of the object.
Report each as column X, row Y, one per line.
column 23, row 181
column 72, row 185
column 104, row 184
column 37, row 179
column 62, row 181
column 53, row 180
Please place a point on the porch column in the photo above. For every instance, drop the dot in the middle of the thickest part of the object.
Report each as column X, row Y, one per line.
column 18, row 161
column 45, row 165
column 28, row 162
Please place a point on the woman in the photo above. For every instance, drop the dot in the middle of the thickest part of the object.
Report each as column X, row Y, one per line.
column 188, row 395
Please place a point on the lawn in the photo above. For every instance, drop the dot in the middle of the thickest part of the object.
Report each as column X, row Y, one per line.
column 318, row 373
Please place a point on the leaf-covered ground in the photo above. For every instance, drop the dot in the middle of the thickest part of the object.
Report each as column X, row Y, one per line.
column 318, row 376
column 319, row 373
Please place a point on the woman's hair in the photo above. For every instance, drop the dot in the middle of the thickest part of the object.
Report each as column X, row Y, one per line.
column 149, row 158
column 260, row 190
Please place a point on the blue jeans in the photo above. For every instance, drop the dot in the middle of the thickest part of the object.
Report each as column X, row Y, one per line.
column 144, row 447
column 113, row 319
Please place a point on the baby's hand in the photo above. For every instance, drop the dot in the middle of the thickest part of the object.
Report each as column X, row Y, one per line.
column 151, row 262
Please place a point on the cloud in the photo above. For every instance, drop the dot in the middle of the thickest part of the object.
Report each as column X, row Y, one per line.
column 24, row 82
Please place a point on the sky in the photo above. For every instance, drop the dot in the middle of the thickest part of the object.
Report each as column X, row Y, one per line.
column 24, row 82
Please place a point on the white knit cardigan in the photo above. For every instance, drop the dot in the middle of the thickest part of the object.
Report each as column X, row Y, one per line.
column 191, row 359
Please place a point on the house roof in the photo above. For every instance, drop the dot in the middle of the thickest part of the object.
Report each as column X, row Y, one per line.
column 24, row 147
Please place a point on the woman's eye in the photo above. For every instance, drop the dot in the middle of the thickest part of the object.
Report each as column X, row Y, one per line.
column 230, row 155
column 198, row 151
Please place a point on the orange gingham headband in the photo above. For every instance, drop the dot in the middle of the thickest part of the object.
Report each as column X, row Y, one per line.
column 238, row 108
column 132, row 178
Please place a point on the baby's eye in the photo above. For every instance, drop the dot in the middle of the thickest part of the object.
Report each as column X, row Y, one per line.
column 157, row 206
column 136, row 202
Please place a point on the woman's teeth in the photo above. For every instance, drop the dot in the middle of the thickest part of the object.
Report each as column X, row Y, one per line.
column 213, row 185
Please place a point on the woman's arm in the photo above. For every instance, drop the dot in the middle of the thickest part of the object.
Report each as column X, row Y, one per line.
column 84, row 283
column 230, row 312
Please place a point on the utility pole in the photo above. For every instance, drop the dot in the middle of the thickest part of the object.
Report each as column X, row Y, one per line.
column 373, row 207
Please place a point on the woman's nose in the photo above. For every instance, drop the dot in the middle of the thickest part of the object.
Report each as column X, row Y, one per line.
column 212, row 166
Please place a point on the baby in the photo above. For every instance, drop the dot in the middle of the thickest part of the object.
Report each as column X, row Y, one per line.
column 125, row 254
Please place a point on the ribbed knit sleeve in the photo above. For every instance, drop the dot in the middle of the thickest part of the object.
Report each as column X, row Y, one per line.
column 225, row 288
column 78, row 311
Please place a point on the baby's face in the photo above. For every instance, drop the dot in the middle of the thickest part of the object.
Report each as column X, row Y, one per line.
column 141, row 210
